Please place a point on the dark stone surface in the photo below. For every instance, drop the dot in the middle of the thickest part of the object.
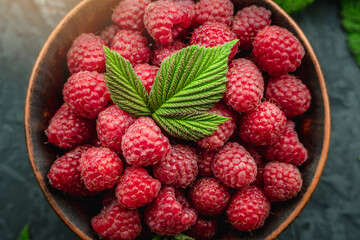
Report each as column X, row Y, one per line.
column 333, row 211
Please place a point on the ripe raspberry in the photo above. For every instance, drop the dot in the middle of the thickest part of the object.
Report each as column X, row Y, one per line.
column 263, row 125
column 67, row 129
column 163, row 51
column 209, row 197
column 166, row 216
column 221, row 135
column 132, row 46
column 146, row 74
column 234, row 166
column 290, row 94
column 129, row 14
column 282, row 181
column 111, row 126
column 179, row 169
column 166, row 20
column 277, row 51
column 213, row 10
column 212, row 34
column 288, row 148
column 136, row 188
column 259, row 180
column 109, row 33
column 86, row 54
column 248, row 21
column 181, row 198
column 143, row 143
column 100, row 168
column 248, row 209
column 203, row 229
column 115, row 222
column 64, row 173
column 205, row 159
column 255, row 154
column 245, row 86
column 86, row 93
column 189, row 5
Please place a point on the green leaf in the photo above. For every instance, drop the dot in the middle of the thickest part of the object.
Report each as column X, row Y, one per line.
column 24, row 235
column 126, row 89
column 291, row 6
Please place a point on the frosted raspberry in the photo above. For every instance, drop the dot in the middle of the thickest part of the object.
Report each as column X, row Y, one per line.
column 234, row 166
column 203, row 229
column 129, row 14
column 205, row 159
column 282, row 181
column 277, row 51
column 109, row 33
column 263, row 125
column 146, row 74
column 290, row 94
column 248, row 209
column 179, row 169
column 86, row 93
column 163, row 51
column 143, row 144
column 100, row 168
column 213, row 10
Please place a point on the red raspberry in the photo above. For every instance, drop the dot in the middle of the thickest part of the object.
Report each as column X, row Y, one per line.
column 248, row 209
column 282, row 181
column 163, row 51
column 179, row 169
column 245, row 86
column 221, row 135
column 129, row 14
column 213, row 10
column 100, row 168
column 166, row 20
column 290, row 94
column 205, row 159
column 86, row 93
column 181, row 198
column 255, row 154
column 212, row 34
column 263, row 125
column 209, row 197
column 132, row 46
column 143, row 143
column 248, row 21
column 64, row 173
column 288, row 148
column 136, row 188
column 203, row 229
column 109, row 33
column 277, row 51
column 111, row 126
column 234, row 166
column 259, row 181
column 67, row 129
column 166, row 216
column 86, row 54
column 115, row 222
column 146, row 74
column 189, row 5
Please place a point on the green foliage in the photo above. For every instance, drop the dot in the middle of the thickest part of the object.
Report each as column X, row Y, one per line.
column 291, row 6
column 25, row 235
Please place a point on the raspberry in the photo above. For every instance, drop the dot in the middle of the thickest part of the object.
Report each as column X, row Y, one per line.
column 67, row 129
column 277, row 51
column 189, row 5
column 146, row 74
column 136, row 188
column 282, row 181
column 166, row 20
column 86, row 93
column 263, row 125
column 64, row 173
column 203, row 229
column 248, row 21
column 288, row 148
column 212, row 34
column 255, row 153
column 111, row 126
column 205, row 158
column 115, row 222
column 163, row 51
column 234, row 166
column 209, row 197
column 179, row 169
column 181, row 198
column 100, row 168
column 86, row 54
column 245, row 86
column 129, row 14
column 132, row 46
column 109, row 33
column 213, row 10
column 221, row 135
column 143, row 143
column 166, row 216
column 259, row 181
column 248, row 209
column 290, row 94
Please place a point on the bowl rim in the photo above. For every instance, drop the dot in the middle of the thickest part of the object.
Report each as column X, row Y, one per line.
column 306, row 196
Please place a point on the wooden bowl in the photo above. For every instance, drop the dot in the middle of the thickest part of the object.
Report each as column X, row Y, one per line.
column 44, row 97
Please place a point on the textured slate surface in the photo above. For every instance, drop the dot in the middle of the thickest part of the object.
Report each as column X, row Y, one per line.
column 333, row 212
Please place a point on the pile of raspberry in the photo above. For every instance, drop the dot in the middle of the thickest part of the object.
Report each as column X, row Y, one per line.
column 153, row 182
